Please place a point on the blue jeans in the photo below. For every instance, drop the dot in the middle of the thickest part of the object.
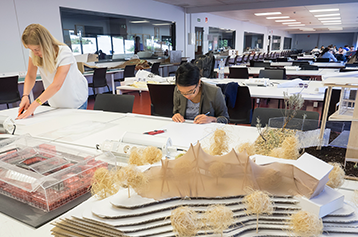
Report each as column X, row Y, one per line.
column 84, row 106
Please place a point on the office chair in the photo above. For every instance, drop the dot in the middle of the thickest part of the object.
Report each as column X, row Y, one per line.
column 324, row 60
column 9, row 91
column 273, row 73
column 155, row 68
column 227, row 60
column 128, row 72
column 265, row 114
column 282, row 60
column 242, row 111
column 238, row 72
column 99, row 79
column 309, row 67
column 261, row 64
column 161, row 96
column 300, row 63
column 114, row 103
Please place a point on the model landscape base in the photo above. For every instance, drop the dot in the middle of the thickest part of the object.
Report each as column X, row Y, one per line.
column 137, row 216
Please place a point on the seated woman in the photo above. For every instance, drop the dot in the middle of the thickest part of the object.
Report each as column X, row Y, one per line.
column 197, row 100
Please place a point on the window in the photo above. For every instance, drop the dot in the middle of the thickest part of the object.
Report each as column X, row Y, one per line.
column 253, row 41
column 221, row 38
column 276, row 42
column 114, row 35
column 287, row 42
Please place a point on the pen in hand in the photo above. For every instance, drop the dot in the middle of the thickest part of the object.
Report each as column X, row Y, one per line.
column 20, row 112
column 206, row 114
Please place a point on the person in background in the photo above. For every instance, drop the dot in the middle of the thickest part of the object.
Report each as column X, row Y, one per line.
column 138, row 46
column 315, row 50
column 322, row 48
column 197, row 100
column 351, row 48
column 326, row 53
column 340, row 55
column 346, row 47
column 334, row 49
column 65, row 86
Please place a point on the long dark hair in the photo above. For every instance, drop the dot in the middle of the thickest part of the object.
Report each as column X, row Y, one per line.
column 187, row 75
column 325, row 51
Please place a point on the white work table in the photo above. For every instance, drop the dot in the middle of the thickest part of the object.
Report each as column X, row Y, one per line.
column 47, row 122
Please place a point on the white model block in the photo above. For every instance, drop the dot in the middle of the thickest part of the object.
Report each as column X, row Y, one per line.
column 328, row 201
column 316, row 168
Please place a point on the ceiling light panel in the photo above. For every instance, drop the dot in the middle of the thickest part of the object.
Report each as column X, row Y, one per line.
column 328, row 15
column 329, row 18
column 297, row 25
column 267, row 13
column 331, row 21
column 285, row 20
column 277, row 17
column 325, row 10
column 288, row 23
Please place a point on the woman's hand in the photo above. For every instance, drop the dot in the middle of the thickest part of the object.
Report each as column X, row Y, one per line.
column 24, row 104
column 178, row 118
column 202, row 118
column 29, row 110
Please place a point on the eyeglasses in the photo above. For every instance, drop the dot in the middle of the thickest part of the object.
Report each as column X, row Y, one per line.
column 191, row 92
column 303, row 85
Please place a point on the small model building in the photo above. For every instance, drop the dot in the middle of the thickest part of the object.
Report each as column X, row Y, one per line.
column 346, row 111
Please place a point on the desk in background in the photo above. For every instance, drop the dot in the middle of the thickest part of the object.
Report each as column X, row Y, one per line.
column 315, row 74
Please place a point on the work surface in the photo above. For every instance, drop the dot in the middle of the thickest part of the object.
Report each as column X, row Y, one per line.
column 83, row 129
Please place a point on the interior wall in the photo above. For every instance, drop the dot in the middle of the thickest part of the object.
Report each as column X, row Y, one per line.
column 309, row 41
column 20, row 13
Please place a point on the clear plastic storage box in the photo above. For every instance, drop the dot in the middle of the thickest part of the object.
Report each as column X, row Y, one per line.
column 45, row 175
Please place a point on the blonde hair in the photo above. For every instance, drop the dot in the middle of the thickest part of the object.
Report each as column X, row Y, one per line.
column 36, row 34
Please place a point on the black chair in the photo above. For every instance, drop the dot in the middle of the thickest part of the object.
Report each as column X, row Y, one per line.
column 273, row 73
column 336, row 94
column 309, row 67
column 227, row 60
column 9, row 91
column 282, row 60
column 128, row 72
column 155, row 68
column 99, row 79
column 238, row 72
column 114, row 103
column 323, row 60
column 300, row 63
column 241, row 113
column 261, row 64
column 161, row 96
column 264, row 114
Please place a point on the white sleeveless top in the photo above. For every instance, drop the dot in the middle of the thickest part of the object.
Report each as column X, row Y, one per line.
column 74, row 90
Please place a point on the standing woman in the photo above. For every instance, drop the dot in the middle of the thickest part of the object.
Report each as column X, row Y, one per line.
column 65, row 86
column 197, row 100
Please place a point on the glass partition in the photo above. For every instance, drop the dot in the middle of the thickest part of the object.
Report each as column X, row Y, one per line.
column 116, row 37
column 276, row 42
column 253, row 41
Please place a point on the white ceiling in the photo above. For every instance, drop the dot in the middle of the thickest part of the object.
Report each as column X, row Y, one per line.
column 298, row 10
